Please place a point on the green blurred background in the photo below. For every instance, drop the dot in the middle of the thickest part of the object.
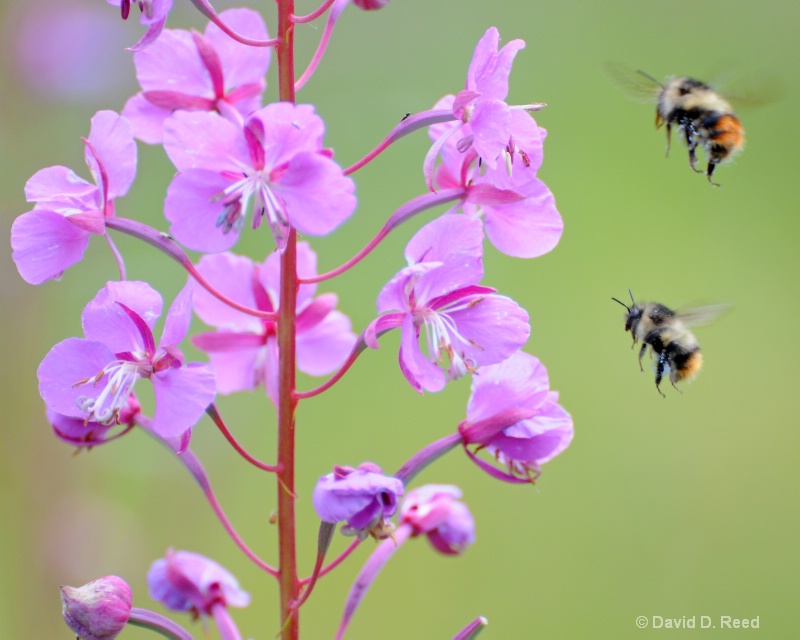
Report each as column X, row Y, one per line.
column 674, row 507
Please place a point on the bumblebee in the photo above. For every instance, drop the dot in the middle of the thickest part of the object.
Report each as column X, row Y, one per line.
column 667, row 334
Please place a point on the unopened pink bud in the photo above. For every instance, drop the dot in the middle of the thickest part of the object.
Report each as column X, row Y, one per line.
column 98, row 610
column 370, row 4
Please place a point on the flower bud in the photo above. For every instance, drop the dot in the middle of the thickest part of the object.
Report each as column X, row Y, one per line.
column 370, row 4
column 364, row 498
column 98, row 610
column 434, row 510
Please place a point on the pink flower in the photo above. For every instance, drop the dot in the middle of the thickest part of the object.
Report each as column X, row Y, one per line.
column 92, row 378
column 81, row 433
column 369, row 5
column 154, row 16
column 184, row 70
column 481, row 104
column 98, row 610
column 434, row 510
column 467, row 324
column 364, row 498
column 54, row 236
column 276, row 162
column 513, row 415
column 186, row 581
column 244, row 349
column 518, row 210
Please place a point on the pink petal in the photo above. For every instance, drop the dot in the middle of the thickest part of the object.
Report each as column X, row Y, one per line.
column 176, row 324
column 182, row 396
column 238, row 370
column 394, row 295
column 45, row 244
column 105, row 321
column 150, row 36
column 202, row 140
column 172, row 64
column 112, row 138
column 146, row 119
column 525, row 229
column 59, row 183
column 269, row 275
column 420, row 372
column 193, row 207
column 318, row 196
column 497, row 325
column 67, row 363
column 489, row 70
column 324, row 348
column 288, row 130
column 242, row 64
column 491, row 123
column 232, row 276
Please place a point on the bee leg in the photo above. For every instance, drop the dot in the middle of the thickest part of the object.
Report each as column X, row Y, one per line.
column 662, row 361
column 710, row 171
column 641, row 355
column 669, row 139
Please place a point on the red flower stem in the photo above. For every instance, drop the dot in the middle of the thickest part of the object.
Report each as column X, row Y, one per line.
column 213, row 413
column 287, row 403
column 358, row 348
column 335, row 563
column 314, row 14
column 164, row 243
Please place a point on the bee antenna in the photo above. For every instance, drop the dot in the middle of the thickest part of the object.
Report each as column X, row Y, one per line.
column 632, row 300
column 622, row 303
column 649, row 77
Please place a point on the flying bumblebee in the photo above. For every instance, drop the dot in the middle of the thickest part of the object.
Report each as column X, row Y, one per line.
column 701, row 115
column 666, row 333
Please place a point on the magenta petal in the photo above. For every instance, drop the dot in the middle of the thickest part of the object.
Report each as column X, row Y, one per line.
column 45, row 244
column 290, row 129
column 146, row 119
column 420, row 372
column 203, row 140
column 242, row 64
column 150, row 36
column 192, row 206
column 105, row 321
column 112, row 138
column 497, row 325
column 176, row 324
column 182, row 396
column 318, row 196
column 525, row 229
column 232, row 276
column 238, row 370
column 172, row 64
column 269, row 275
column 324, row 347
column 67, row 363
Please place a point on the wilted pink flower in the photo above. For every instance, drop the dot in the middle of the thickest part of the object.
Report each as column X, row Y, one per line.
column 184, row 70
column 434, row 510
column 513, row 415
column 92, row 378
column 154, row 16
column 276, row 164
column 68, row 209
column 364, row 498
column 467, row 325
column 244, row 349
column 98, row 610
column 186, row 581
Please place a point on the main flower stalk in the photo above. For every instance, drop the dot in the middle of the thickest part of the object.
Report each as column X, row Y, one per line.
column 289, row 585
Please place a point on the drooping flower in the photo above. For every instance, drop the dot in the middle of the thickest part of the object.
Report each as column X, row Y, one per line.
column 68, row 209
column 434, row 510
column 513, row 414
column 518, row 210
column 466, row 324
column 363, row 498
column 188, row 582
column 98, row 610
column 481, row 104
column 92, row 378
column 82, row 433
column 244, row 349
column 275, row 165
column 154, row 16
column 188, row 71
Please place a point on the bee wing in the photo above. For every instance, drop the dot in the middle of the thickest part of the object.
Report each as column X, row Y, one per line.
column 702, row 315
column 748, row 89
column 638, row 85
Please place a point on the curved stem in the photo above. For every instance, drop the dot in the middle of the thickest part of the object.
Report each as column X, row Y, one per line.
column 426, row 456
column 405, row 212
column 407, row 125
column 314, row 14
column 213, row 413
column 323, row 41
column 158, row 623
column 117, row 256
column 167, row 245
column 358, row 348
column 326, row 530
column 335, row 563
column 208, row 11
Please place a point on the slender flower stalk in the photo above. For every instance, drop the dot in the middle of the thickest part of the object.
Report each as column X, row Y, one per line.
column 335, row 563
column 323, row 42
column 326, row 530
column 158, row 623
column 213, row 413
column 208, row 11
column 314, row 14
column 472, row 630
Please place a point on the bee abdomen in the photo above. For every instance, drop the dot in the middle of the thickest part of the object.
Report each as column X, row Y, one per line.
column 685, row 362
